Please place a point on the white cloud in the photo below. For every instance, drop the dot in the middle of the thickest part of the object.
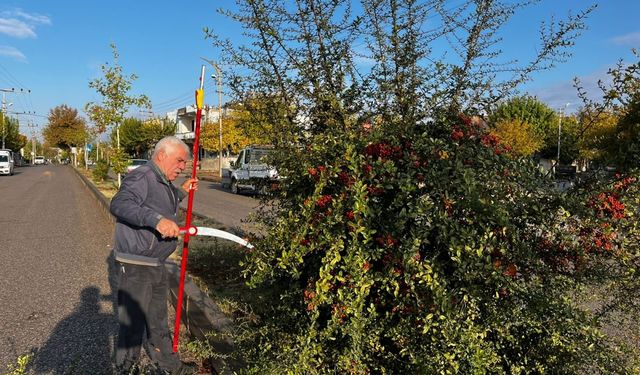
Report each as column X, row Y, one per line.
column 19, row 24
column 16, row 28
column 631, row 39
column 33, row 18
column 561, row 93
column 12, row 52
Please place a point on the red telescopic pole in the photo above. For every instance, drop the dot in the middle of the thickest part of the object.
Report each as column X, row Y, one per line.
column 185, row 246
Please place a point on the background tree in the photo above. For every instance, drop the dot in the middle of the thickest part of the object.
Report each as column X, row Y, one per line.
column 231, row 135
column 597, row 139
column 50, row 152
column 65, row 128
column 13, row 139
column 251, row 119
column 239, row 129
column 28, row 148
column 569, row 141
column 628, row 127
column 138, row 137
column 520, row 136
column 114, row 88
column 619, row 100
column 541, row 119
column 629, row 135
column 403, row 238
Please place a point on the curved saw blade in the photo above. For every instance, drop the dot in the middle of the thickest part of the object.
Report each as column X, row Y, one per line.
column 211, row 232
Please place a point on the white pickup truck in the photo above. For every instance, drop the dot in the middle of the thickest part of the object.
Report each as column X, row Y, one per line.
column 250, row 171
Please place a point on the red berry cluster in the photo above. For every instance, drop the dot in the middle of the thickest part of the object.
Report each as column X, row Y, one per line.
column 350, row 215
column 457, row 134
column 316, row 172
column 603, row 240
column 375, row 191
column 595, row 239
column 324, row 201
column 345, row 179
column 383, row 151
column 386, row 240
column 313, row 172
column 309, row 295
column 609, row 205
column 367, row 169
column 624, row 183
column 492, row 141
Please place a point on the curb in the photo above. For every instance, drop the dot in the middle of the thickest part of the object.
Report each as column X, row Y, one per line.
column 200, row 314
column 102, row 200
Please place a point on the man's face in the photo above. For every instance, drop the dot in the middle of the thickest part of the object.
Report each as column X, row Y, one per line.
column 172, row 161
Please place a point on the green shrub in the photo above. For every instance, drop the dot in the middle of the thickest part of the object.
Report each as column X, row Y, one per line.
column 405, row 241
column 431, row 249
column 101, row 170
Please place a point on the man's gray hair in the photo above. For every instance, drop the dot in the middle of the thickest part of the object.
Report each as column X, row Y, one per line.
column 169, row 142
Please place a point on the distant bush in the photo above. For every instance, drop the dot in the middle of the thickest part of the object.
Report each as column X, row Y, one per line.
column 100, row 172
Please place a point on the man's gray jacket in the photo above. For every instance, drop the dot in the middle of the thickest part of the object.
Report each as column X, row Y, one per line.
column 145, row 197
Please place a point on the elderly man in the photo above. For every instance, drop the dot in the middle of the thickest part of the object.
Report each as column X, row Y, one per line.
column 146, row 209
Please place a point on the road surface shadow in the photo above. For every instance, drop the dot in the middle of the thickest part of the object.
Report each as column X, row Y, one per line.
column 82, row 342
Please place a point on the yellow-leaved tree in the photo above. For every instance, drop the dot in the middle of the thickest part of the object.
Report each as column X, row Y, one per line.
column 239, row 129
column 598, row 133
column 231, row 135
column 519, row 135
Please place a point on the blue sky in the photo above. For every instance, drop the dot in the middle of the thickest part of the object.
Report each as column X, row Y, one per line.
column 54, row 48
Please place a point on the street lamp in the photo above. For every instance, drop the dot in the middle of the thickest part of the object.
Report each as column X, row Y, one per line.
column 218, row 78
column 560, row 130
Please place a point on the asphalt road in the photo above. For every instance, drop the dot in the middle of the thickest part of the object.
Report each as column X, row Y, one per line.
column 231, row 210
column 56, row 299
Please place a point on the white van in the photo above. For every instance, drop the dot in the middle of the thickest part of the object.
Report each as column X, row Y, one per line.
column 39, row 160
column 6, row 162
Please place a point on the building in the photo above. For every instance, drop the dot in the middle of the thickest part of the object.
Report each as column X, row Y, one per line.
column 185, row 120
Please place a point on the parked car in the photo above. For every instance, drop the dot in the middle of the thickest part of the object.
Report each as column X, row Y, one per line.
column 39, row 160
column 6, row 162
column 135, row 163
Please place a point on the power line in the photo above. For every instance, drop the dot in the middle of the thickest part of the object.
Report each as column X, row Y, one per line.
column 10, row 78
column 179, row 101
column 25, row 103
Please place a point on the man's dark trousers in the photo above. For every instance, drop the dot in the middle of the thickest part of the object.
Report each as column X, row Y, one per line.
column 142, row 316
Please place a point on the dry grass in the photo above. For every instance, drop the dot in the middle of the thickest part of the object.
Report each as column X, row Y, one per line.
column 107, row 187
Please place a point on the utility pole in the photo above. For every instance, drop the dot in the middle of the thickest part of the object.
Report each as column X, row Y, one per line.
column 34, row 150
column 218, row 77
column 4, row 107
column 4, row 110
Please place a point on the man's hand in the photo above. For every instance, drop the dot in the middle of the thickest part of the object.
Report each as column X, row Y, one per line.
column 191, row 183
column 168, row 228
